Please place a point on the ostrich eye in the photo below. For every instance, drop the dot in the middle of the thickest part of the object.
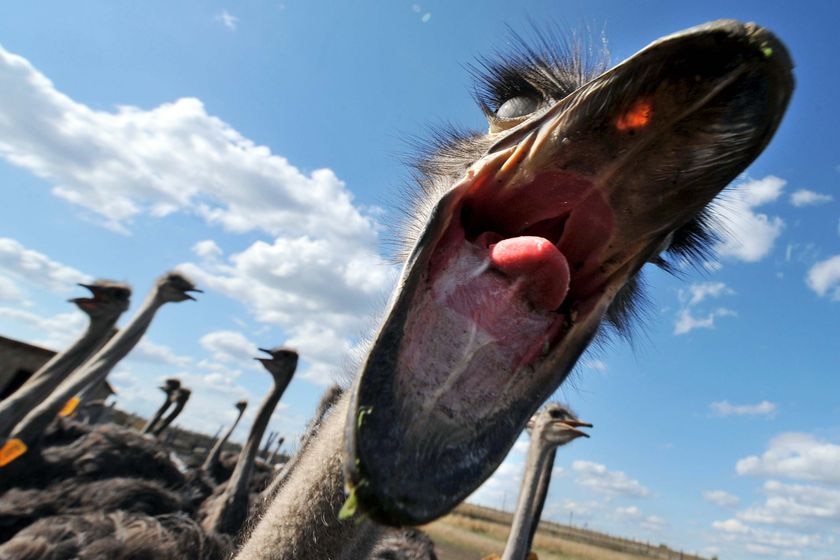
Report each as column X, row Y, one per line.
column 518, row 106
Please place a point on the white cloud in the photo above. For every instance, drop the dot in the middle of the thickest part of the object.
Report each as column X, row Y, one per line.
column 721, row 498
column 804, row 197
column 699, row 291
column 597, row 365
column 747, row 235
column 207, row 249
column 795, row 455
column 323, row 297
column 229, row 347
column 32, row 268
column 54, row 333
column 694, row 295
column 614, row 483
column 795, row 505
column 228, row 20
column 148, row 351
column 824, row 278
column 172, row 158
column 771, row 543
column 725, row 408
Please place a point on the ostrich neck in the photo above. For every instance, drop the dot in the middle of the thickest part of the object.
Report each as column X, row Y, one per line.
column 526, row 506
column 216, row 451
column 15, row 407
column 93, row 371
column 542, row 493
column 179, row 406
column 231, row 516
column 302, row 522
column 147, row 429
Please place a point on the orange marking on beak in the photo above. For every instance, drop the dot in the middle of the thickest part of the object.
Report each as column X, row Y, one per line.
column 69, row 407
column 637, row 117
column 11, row 450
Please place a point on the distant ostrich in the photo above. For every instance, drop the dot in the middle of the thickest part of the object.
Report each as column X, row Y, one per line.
column 273, row 457
column 525, row 241
column 268, row 441
column 169, row 387
column 227, row 512
column 171, row 287
column 210, row 464
column 110, row 299
column 181, row 396
column 550, row 428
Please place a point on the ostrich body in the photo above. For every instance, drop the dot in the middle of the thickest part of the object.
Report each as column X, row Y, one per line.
column 525, row 240
column 169, row 387
column 172, row 287
column 181, row 396
column 550, row 428
column 212, row 461
column 110, row 299
column 229, row 510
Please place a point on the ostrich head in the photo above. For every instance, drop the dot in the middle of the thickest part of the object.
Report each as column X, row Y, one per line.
column 241, row 405
column 182, row 395
column 556, row 425
column 530, row 236
column 170, row 385
column 108, row 299
column 282, row 363
column 174, row 287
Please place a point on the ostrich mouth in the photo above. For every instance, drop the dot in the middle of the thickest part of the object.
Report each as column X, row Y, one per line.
column 522, row 257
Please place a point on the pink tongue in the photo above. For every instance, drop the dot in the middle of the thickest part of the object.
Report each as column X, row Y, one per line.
column 538, row 264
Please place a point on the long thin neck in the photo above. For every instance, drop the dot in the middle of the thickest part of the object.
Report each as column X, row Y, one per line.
column 517, row 544
column 147, row 429
column 302, row 522
column 232, row 515
column 179, row 406
column 216, row 452
column 93, row 371
column 542, row 493
column 15, row 407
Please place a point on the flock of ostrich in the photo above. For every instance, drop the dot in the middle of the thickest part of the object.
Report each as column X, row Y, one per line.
column 524, row 242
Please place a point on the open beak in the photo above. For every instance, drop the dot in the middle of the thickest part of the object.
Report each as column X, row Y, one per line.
column 573, row 425
column 522, row 257
column 196, row 290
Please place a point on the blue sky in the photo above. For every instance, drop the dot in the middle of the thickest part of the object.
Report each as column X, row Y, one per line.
column 258, row 147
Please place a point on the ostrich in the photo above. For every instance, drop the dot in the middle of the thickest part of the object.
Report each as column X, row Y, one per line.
column 550, row 428
column 171, row 287
column 404, row 544
column 228, row 511
column 169, row 387
column 268, row 441
column 211, row 463
column 525, row 240
column 181, row 396
column 110, row 299
column 273, row 457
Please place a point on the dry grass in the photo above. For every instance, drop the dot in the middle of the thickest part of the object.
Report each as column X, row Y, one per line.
column 472, row 532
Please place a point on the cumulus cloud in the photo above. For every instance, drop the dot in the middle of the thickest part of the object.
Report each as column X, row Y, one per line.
column 824, row 278
column 31, row 268
column 797, row 456
column 795, row 505
column 148, row 351
column 613, row 483
column 804, row 197
column 172, row 158
column 207, row 249
column 54, row 332
column 767, row 542
column 748, row 235
column 229, row 347
column 721, row 498
column 725, row 408
column 688, row 318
